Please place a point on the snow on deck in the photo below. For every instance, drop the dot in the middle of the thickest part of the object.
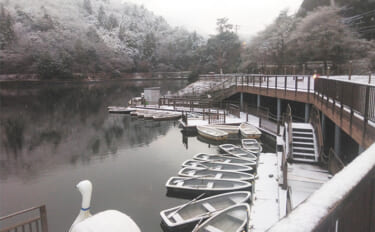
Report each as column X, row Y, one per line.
column 265, row 208
column 304, row 179
column 321, row 202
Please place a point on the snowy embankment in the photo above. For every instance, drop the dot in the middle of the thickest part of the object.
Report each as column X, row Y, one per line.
column 308, row 215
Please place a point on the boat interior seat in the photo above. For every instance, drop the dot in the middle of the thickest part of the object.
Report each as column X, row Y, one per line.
column 227, row 161
column 209, row 207
column 210, row 185
column 180, row 183
column 235, row 216
column 177, row 217
column 219, row 175
column 210, row 228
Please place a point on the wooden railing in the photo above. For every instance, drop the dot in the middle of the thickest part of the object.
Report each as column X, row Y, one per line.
column 335, row 164
column 344, row 203
column 353, row 102
column 288, row 121
column 315, row 122
column 35, row 223
column 350, row 105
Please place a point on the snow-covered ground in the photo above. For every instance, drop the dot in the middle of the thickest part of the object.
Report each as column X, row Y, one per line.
column 265, row 208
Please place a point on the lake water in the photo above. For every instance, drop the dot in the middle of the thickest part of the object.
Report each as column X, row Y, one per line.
column 55, row 134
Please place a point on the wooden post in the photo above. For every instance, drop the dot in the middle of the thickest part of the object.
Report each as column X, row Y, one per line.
column 203, row 112
column 43, row 218
column 303, row 69
column 209, row 114
column 247, row 113
column 308, row 87
column 268, row 81
column 328, row 69
column 285, row 83
column 366, row 114
column 296, row 86
column 350, row 69
column 369, row 77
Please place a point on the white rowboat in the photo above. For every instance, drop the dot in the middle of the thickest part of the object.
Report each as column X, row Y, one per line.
column 251, row 145
column 186, row 216
column 212, row 133
column 232, row 219
column 249, row 131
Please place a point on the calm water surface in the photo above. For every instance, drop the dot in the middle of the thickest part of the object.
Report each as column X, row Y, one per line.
column 54, row 135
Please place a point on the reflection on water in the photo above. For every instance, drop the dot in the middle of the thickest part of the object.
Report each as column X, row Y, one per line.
column 54, row 135
column 67, row 122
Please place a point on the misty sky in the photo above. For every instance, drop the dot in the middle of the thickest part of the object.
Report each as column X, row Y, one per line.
column 200, row 15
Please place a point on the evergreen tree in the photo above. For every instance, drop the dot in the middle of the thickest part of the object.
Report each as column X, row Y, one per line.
column 101, row 16
column 87, row 6
column 7, row 35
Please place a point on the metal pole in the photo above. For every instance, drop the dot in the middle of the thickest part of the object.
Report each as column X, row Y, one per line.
column 350, row 69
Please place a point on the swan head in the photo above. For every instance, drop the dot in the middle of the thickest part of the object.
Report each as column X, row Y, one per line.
column 85, row 188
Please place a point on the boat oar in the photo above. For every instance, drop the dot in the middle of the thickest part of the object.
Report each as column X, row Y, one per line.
column 184, row 205
column 197, row 225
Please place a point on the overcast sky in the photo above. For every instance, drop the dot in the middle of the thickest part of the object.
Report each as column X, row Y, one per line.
column 251, row 16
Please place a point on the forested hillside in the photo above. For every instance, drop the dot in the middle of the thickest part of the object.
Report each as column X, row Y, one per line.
column 56, row 38
column 320, row 39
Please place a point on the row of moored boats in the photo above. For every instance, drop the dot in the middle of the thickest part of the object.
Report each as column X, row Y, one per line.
column 220, row 185
column 221, row 132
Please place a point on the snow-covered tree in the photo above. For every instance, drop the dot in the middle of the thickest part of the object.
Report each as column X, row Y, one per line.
column 322, row 36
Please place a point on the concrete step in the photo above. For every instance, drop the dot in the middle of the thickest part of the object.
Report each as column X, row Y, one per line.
column 305, row 134
column 305, row 160
column 302, row 130
column 303, row 154
column 303, row 144
column 302, row 139
column 304, row 150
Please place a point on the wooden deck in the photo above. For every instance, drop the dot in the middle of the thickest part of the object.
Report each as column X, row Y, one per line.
column 350, row 105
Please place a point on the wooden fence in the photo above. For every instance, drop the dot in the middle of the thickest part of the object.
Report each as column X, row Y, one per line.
column 34, row 224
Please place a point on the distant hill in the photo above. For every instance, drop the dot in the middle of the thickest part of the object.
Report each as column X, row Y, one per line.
column 56, row 38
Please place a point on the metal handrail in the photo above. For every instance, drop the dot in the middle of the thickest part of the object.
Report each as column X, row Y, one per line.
column 42, row 218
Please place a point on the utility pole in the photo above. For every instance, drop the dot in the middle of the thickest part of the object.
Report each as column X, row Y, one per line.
column 236, row 28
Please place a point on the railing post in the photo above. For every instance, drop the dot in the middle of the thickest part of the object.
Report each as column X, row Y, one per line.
column 308, row 86
column 341, row 104
column 268, row 81
column 296, row 86
column 365, row 116
column 275, row 86
column 350, row 69
column 253, row 77
column 369, row 77
column 43, row 218
column 285, row 84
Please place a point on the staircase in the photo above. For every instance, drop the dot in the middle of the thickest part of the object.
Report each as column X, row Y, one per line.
column 304, row 145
